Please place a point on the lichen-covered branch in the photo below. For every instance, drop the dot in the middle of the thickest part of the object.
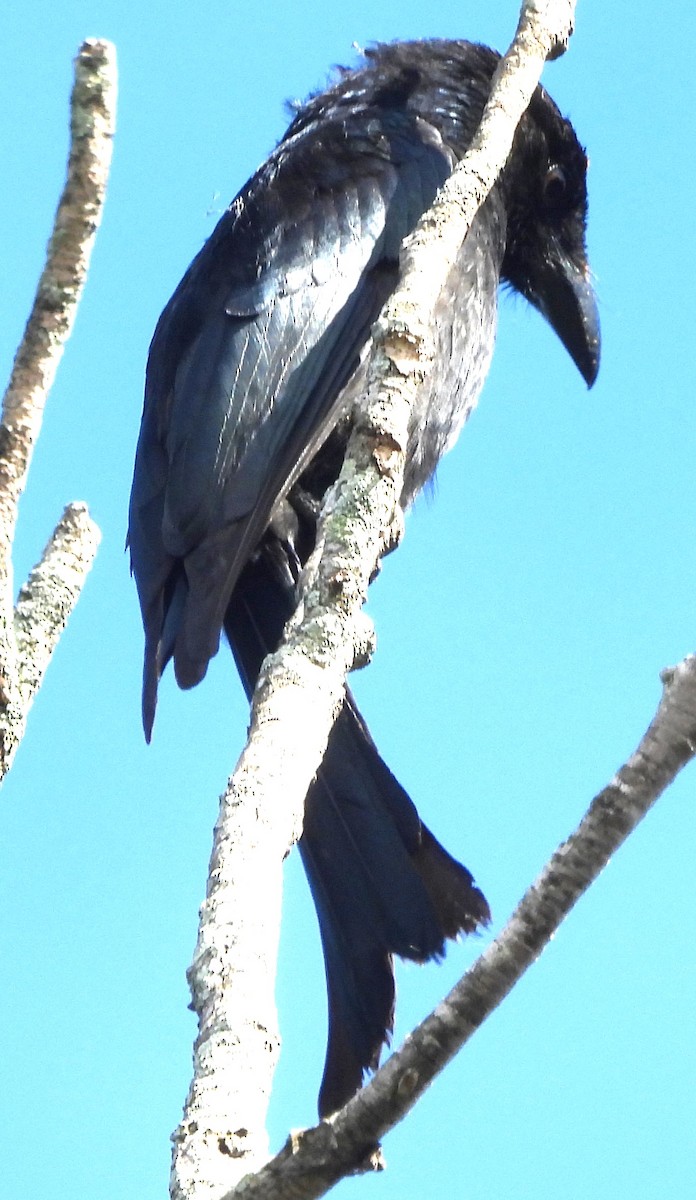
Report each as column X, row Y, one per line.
column 222, row 1134
column 313, row 1161
column 403, row 338
column 24, row 651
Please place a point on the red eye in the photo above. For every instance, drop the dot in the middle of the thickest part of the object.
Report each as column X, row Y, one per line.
column 554, row 187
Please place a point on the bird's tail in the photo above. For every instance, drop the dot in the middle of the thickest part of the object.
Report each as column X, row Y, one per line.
column 381, row 883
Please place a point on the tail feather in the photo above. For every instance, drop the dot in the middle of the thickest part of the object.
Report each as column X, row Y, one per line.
column 382, row 885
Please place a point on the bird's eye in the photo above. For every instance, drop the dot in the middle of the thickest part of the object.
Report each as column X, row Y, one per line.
column 555, row 186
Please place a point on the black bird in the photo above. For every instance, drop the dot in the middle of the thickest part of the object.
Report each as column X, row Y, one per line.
column 251, row 376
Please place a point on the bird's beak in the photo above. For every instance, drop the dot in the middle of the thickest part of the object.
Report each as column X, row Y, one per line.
column 564, row 294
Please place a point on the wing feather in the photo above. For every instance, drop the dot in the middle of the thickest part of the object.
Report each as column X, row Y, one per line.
column 251, row 354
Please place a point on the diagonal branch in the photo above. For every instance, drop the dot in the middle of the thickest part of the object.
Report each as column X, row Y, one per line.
column 48, row 329
column 313, row 1161
column 301, row 688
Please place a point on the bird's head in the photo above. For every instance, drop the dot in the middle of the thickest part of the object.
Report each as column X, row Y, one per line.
column 545, row 257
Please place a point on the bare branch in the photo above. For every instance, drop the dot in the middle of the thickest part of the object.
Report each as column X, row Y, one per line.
column 68, row 557
column 60, row 287
column 302, row 685
column 43, row 607
column 51, row 592
column 313, row 1161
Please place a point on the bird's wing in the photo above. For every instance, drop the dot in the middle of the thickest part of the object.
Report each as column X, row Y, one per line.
column 250, row 356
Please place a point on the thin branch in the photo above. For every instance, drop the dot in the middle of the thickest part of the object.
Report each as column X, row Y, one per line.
column 92, row 121
column 50, row 594
column 313, row 1161
column 301, row 687
column 60, row 287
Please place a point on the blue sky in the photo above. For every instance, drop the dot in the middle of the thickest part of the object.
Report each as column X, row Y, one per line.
column 521, row 627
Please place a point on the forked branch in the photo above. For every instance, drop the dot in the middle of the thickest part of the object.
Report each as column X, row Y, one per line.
column 311, row 1162
column 29, row 633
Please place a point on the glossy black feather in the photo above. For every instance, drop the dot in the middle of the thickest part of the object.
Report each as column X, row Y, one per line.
column 252, row 373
